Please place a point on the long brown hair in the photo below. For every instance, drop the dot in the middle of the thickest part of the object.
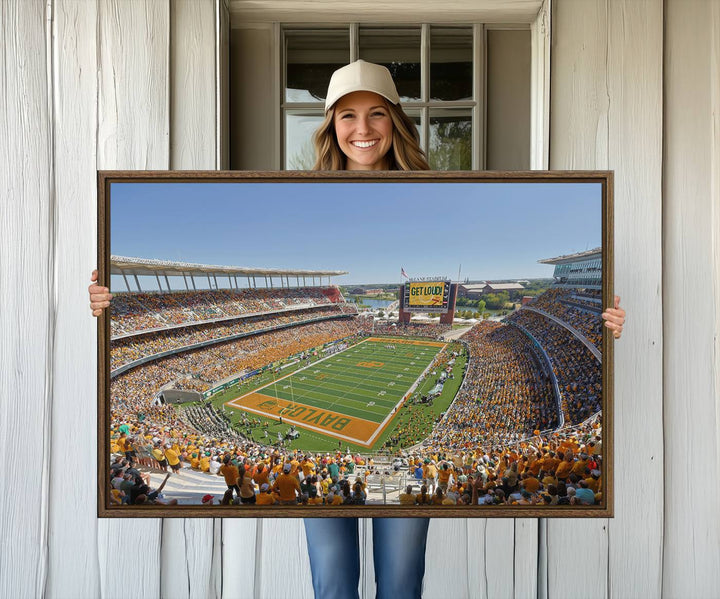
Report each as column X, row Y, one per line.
column 404, row 155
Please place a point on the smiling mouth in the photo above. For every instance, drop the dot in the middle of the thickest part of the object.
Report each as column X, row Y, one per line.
column 364, row 144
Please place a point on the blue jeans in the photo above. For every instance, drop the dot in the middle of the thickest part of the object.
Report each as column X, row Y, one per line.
column 398, row 551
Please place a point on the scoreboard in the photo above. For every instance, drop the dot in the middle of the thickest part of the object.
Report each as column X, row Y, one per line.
column 426, row 296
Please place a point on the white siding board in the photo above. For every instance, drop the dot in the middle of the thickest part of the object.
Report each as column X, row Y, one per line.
column 692, row 395
column 499, row 557
column 187, row 559
column 282, row 563
column 578, row 96
column 578, row 140
column 193, row 85
column 240, row 550
column 133, row 129
column 490, row 558
column 26, row 310
column 73, row 559
column 129, row 557
column 635, row 42
column 446, row 559
column 607, row 75
column 542, row 574
column 190, row 567
column 215, row 588
column 475, row 541
column 525, row 558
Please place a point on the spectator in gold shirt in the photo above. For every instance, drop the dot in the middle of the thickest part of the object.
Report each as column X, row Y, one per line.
column 287, row 486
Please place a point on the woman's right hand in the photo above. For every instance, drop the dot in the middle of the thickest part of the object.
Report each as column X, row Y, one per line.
column 99, row 296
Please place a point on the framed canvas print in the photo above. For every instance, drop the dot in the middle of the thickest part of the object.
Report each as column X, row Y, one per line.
column 366, row 344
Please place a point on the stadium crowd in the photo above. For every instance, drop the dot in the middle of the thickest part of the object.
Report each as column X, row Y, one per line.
column 135, row 312
column 411, row 329
column 577, row 311
column 559, row 468
column 578, row 372
column 128, row 349
column 505, row 394
column 486, row 450
column 562, row 468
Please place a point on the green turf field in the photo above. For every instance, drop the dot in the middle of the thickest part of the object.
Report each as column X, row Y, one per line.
column 350, row 395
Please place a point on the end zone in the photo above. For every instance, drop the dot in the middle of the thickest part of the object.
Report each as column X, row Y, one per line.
column 401, row 341
column 333, row 424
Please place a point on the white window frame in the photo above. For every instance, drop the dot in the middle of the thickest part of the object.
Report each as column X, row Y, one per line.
column 536, row 15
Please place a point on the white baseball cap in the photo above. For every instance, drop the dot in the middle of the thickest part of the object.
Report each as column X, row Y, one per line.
column 361, row 76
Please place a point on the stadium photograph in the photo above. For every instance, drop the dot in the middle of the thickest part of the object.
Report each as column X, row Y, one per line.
column 288, row 346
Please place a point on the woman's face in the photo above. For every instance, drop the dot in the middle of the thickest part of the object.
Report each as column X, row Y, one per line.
column 364, row 130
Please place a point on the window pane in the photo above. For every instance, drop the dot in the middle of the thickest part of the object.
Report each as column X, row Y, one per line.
column 450, row 145
column 414, row 115
column 508, row 100
column 399, row 51
column 299, row 149
column 451, row 56
column 311, row 58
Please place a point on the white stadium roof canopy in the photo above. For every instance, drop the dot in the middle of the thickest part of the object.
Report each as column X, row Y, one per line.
column 577, row 257
column 120, row 265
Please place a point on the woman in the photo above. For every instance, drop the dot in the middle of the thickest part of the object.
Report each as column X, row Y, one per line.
column 365, row 129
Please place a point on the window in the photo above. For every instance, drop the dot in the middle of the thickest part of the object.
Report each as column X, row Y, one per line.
column 436, row 69
column 467, row 87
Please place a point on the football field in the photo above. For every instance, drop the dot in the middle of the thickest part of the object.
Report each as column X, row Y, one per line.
column 352, row 395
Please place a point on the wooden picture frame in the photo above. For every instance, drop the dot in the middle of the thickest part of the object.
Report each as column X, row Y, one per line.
column 524, row 205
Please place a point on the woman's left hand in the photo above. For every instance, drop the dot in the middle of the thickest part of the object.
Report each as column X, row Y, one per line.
column 99, row 296
column 615, row 318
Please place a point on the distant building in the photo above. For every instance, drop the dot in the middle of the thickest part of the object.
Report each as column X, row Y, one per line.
column 498, row 287
column 356, row 291
column 374, row 291
column 477, row 290
column 470, row 290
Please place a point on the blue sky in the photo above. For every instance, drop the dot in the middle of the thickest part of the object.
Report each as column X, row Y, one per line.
column 495, row 230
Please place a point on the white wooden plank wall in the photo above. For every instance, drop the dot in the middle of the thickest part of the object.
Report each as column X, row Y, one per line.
column 27, row 316
column 606, row 112
column 114, row 84
column 133, row 132
column 635, row 48
column 73, row 565
column 692, row 262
